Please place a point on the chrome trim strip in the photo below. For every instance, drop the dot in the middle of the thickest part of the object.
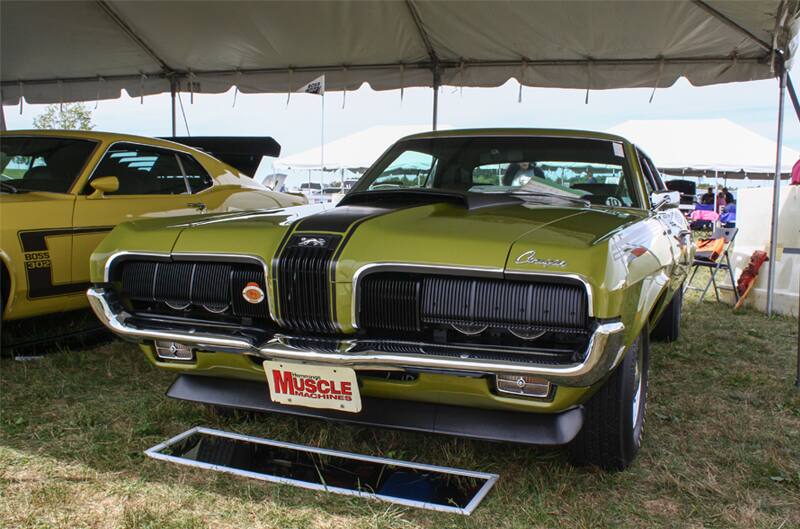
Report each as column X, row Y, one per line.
column 161, row 256
column 468, row 271
column 188, row 256
column 116, row 321
column 604, row 350
column 490, row 479
column 601, row 356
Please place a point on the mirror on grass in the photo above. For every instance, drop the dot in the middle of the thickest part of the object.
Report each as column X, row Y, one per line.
column 405, row 483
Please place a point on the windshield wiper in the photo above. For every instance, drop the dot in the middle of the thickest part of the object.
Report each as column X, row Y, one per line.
column 5, row 187
column 580, row 200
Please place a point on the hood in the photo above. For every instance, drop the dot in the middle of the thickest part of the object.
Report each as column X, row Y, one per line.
column 446, row 234
column 256, row 233
column 429, row 231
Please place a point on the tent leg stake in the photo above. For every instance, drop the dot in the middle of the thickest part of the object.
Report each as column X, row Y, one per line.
column 776, row 193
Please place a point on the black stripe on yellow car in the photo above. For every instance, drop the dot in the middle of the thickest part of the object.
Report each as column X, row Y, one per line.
column 38, row 265
column 343, row 219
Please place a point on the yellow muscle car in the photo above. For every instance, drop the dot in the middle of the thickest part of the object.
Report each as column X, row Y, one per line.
column 61, row 192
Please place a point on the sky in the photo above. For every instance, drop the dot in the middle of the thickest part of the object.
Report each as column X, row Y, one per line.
column 296, row 126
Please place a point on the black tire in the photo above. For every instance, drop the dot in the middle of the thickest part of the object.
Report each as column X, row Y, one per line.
column 5, row 288
column 668, row 328
column 611, row 433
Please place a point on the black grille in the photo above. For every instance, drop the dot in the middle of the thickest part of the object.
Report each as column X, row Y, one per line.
column 406, row 302
column 210, row 287
column 303, row 283
column 391, row 303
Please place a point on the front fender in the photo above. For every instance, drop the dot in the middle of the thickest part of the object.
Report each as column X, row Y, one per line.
column 639, row 272
column 11, row 288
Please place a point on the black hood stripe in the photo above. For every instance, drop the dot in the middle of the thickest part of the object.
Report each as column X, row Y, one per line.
column 339, row 219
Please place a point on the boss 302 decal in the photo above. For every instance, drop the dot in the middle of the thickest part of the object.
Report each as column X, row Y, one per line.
column 38, row 262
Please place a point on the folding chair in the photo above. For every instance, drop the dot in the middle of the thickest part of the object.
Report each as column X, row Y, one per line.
column 715, row 264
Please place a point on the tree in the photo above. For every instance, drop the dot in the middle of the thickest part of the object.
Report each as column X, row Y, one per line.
column 69, row 116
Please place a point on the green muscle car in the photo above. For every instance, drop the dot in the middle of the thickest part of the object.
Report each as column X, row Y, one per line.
column 495, row 284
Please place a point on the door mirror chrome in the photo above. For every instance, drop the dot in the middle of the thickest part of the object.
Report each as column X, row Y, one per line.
column 664, row 199
column 103, row 185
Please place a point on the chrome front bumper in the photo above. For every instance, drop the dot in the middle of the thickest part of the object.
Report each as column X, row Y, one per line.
column 605, row 349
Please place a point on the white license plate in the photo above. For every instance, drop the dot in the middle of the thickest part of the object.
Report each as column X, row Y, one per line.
column 334, row 388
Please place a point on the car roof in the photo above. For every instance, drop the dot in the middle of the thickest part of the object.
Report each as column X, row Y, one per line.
column 96, row 135
column 518, row 132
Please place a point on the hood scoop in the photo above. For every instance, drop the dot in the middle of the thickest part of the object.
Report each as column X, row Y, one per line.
column 410, row 197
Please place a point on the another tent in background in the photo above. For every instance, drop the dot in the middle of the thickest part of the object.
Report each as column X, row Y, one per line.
column 356, row 151
column 699, row 147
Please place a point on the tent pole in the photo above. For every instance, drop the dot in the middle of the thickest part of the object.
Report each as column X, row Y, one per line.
column 776, row 192
column 436, row 82
column 716, row 185
column 172, row 97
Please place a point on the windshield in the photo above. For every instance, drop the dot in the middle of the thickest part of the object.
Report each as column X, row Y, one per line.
column 573, row 168
column 41, row 163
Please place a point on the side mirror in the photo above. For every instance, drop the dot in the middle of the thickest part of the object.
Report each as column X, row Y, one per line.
column 103, row 185
column 664, row 199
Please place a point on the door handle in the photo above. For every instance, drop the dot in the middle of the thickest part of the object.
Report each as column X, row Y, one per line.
column 198, row 206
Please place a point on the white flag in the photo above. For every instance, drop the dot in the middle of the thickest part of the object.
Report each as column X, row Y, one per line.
column 317, row 86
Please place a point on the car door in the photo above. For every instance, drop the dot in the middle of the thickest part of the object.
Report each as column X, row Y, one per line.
column 36, row 228
column 152, row 182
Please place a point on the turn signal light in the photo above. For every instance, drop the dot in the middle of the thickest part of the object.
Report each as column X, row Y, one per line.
column 524, row 385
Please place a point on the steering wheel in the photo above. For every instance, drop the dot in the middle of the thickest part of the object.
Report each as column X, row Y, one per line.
column 614, row 202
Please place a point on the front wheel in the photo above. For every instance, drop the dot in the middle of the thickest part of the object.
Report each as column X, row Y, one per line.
column 668, row 328
column 614, row 421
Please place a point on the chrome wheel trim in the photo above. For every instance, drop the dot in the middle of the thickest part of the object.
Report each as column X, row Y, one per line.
column 638, row 383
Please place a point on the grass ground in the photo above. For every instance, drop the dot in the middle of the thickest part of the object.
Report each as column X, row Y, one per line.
column 721, row 449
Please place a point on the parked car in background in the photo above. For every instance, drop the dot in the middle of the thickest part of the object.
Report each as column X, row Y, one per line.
column 495, row 284
column 687, row 190
column 63, row 191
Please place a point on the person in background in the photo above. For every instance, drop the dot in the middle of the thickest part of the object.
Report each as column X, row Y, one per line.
column 518, row 174
column 728, row 217
column 728, row 196
column 721, row 201
column 707, row 198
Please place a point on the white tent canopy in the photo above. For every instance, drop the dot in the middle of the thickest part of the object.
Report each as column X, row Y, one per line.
column 54, row 52
column 702, row 146
column 356, row 151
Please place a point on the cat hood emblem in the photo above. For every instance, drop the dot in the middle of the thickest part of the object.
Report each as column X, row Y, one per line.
column 314, row 242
